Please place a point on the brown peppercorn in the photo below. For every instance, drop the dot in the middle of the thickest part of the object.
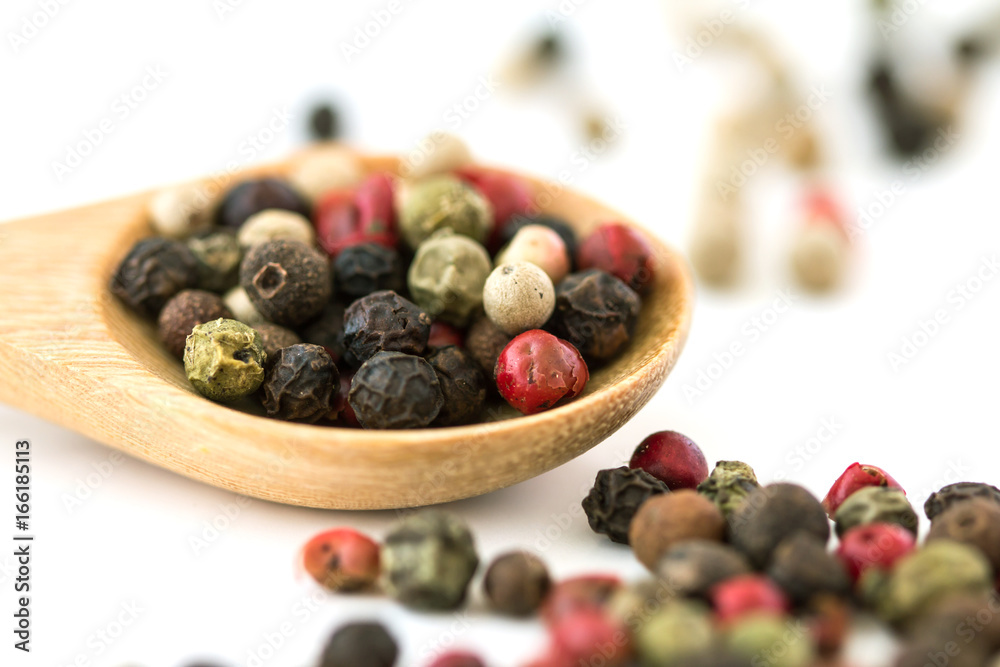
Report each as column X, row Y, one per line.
column 327, row 330
column 153, row 271
column 954, row 619
column 803, row 567
column 516, row 583
column 384, row 322
column 484, row 342
column 301, row 384
column 772, row 513
column 692, row 567
column 462, row 384
column 975, row 522
column 360, row 645
column 616, row 496
column 254, row 196
column 596, row 312
column 287, row 281
column 395, row 390
column 362, row 269
column 274, row 337
column 946, row 496
column 184, row 312
column 664, row 520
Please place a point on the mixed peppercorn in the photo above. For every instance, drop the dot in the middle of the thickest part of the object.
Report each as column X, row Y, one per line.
column 335, row 297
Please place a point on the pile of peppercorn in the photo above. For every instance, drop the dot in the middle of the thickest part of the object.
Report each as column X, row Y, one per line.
column 373, row 300
column 741, row 572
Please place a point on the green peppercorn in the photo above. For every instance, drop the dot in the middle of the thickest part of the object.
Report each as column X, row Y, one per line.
column 875, row 504
column 691, row 568
column 443, row 202
column 975, row 522
column 218, row 254
column 773, row 641
column 447, row 276
column 729, row 483
column 428, row 561
column 803, row 568
column 772, row 513
column 678, row 629
column 224, row 360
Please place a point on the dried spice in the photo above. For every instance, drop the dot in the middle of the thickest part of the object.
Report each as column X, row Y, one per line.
column 324, row 122
column 256, row 195
column 558, row 225
column 219, row 254
column 224, row 360
column 462, row 386
column 179, row 212
column 345, row 218
column 367, row 267
column 325, row 169
column 955, row 493
column 772, row 513
column 668, row 519
column 243, row 310
column 672, row 458
column 443, row 334
column 856, row 477
column 360, row 645
column 152, row 272
column 447, row 276
column 728, row 485
column 342, row 560
column 975, row 522
column 586, row 592
column 802, row 567
column 771, row 641
column 443, row 202
column 507, row 194
column 874, row 545
column 678, row 629
column 537, row 372
column 327, row 330
column 516, row 583
column 873, row 504
column 621, row 251
column 287, row 281
column 484, row 342
column 395, row 390
column 693, row 567
column 747, row 594
column 615, row 498
column 518, row 297
column 301, row 384
column 275, row 224
column 538, row 245
column 274, row 337
column 183, row 312
column 587, row 636
column 596, row 312
column 442, row 152
column 457, row 659
column 384, row 322
column 428, row 561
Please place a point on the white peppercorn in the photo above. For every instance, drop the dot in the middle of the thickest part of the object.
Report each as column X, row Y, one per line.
column 437, row 153
column 324, row 170
column 181, row 211
column 518, row 297
column 238, row 302
column 275, row 223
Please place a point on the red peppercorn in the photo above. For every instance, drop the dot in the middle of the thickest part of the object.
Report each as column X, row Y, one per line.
column 345, row 218
column 457, row 659
column 590, row 591
column 506, row 193
column 672, row 458
column 821, row 208
column 621, row 251
column 857, row 476
column 537, row 371
column 443, row 334
column 745, row 594
column 588, row 635
column 341, row 410
column 342, row 559
column 874, row 545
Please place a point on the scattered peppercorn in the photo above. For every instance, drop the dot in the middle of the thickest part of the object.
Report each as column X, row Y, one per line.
column 256, row 195
column 518, row 297
column 360, row 645
column 948, row 495
column 537, row 371
column 484, row 342
column 342, row 560
column 692, row 568
column 287, row 281
column 367, row 267
column 667, row 519
column 516, row 583
column 538, row 245
column 218, row 254
column 183, row 312
column 856, row 477
column 596, row 312
column 274, row 224
column 462, row 386
column 672, row 458
column 224, row 360
column 874, row 545
column 728, row 485
column 152, row 272
column 975, row 522
column 770, row 640
column 274, row 337
column 770, row 514
column 301, row 383
column 747, row 594
column 875, row 504
column 586, row 636
column 384, row 322
column 566, row 597
column 621, row 251
column 428, row 561
column 565, row 231
column 457, row 659
column 615, row 498
column 443, row 202
column 676, row 630
column 447, row 276
column 395, row 390
column 802, row 567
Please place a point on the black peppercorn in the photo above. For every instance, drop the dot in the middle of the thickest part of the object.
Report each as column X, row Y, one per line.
column 384, row 322
column 324, row 122
column 369, row 267
column 395, row 390
column 516, row 583
column 360, row 645
column 153, row 271
column 692, row 567
column 327, row 330
column 616, row 497
column 484, row 342
column 287, row 281
column 772, row 513
column 274, row 337
column 947, row 496
column 257, row 195
column 462, row 385
column 558, row 225
column 596, row 312
column 301, row 384
column 184, row 312
column 803, row 567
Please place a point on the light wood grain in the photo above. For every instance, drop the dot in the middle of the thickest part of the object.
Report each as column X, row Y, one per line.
column 71, row 353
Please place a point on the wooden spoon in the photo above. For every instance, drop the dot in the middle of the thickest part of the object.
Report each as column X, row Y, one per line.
column 73, row 354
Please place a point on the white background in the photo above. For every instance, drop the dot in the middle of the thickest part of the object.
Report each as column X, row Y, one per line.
column 128, row 543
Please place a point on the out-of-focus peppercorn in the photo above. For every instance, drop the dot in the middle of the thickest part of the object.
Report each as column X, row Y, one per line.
column 693, row 567
column 342, row 560
column 183, row 312
column 516, row 583
column 770, row 514
column 152, row 272
column 802, row 567
column 218, row 254
column 368, row 267
column 621, row 251
column 975, row 522
column 443, row 202
column 948, row 495
column 668, row 519
column 256, row 195
column 364, row 644
column 728, row 485
column 615, row 498
column 873, row 504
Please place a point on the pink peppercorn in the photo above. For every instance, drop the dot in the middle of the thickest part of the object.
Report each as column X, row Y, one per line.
column 591, row 591
column 672, row 458
column 536, row 371
column 621, row 251
column 874, row 545
column 342, row 559
column 367, row 214
column 457, row 659
column 857, row 476
column 506, row 193
column 443, row 334
column 342, row 410
column 746, row 594
column 588, row 636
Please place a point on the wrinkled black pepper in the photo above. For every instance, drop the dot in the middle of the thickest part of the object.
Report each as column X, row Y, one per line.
column 274, row 337
column 484, row 342
column 615, row 498
column 462, row 385
column 384, row 322
column 558, row 225
column 369, row 267
column 395, row 390
column 301, row 384
column 772, row 513
column 287, row 281
column 327, row 330
column 596, row 312
column 360, row 645
column 257, row 195
column 948, row 495
column 153, row 271
column 803, row 567
column 691, row 568
column 185, row 311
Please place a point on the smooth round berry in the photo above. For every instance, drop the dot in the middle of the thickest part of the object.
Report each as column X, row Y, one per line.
column 621, row 251
column 749, row 593
column 537, row 371
column 874, row 545
column 857, row 476
column 342, row 559
column 672, row 458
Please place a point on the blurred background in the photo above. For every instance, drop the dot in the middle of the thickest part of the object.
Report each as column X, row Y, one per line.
column 731, row 129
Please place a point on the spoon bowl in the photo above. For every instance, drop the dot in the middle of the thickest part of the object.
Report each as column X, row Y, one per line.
column 72, row 353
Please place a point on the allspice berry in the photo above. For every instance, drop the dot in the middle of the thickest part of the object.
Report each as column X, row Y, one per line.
column 183, row 312
column 518, row 297
column 692, row 567
column 360, row 645
column 463, row 386
column 772, row 513
column 948, row 495
column 729, row 483
column 443, row 202
column 288, row 281
column 274, row 224
column 516, row 583
column 301, row 383
column 803, row 568
column 362, row 269
column 876, row 504
column 447, row 276
column 152, row 272
column 393, row 390
column 975, row 522
column 384, row 322
column 665, row 520
column 428, row 561
column 224, row 360
column 218, row 254
column 596, row 312
column 616, row 496
column 484, row 342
